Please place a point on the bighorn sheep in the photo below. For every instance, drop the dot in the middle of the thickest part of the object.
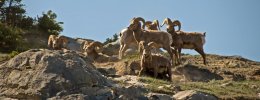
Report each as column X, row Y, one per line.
column 57, row 42
column 93, row 48
column 161, row 38
column 127, row 39
column 156, row 63
column 186, row 40
column 152, row 25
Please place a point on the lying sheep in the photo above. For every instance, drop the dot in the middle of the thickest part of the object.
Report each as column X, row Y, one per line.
column 154, row 62
column 57, row 42
column 186, row 40
column 92, row 48
column 161, row 38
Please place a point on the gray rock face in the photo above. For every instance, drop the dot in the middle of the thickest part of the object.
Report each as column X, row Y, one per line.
column 42, row 74
column 193, row 95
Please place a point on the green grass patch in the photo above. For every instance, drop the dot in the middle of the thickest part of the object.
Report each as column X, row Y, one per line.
column 232, row 89
column 155, row 83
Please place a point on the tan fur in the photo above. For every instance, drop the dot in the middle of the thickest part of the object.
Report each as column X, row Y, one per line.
column 57, row 42
column 156, row 63
column 126, row 40
column 187, row 40
column 162, row 38
column 152, row 25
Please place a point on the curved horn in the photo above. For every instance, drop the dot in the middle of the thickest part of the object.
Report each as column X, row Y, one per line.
column 177, row 23
column 157, row 24
column 141, row 19
column 166, row 21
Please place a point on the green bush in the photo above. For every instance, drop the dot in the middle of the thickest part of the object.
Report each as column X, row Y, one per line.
column 49, row 24
column 11, row 38
column 13, row 53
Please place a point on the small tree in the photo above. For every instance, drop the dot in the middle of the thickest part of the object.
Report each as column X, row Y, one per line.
column 113, row 39
column 49, row 24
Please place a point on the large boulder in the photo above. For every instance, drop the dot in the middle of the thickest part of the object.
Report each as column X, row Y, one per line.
column 42, row 74
column 190, row 72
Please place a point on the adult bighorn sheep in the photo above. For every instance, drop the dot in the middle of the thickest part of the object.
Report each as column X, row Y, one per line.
column 152, row 25
column 57, row 42
column 154, row 62
column 127, row 40
column 186, row 40
column 163, row 39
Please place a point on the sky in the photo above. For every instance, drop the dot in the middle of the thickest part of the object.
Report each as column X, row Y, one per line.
column 232, row 26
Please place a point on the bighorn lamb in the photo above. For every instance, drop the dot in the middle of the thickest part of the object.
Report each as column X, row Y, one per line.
column 57, row 42
column 92, row 48
column 154, row 62
column 186, row 40
column 163, row 39
column 152, row 25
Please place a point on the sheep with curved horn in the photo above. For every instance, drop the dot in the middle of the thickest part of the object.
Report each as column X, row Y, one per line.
column 161, row 38
column 186, row 40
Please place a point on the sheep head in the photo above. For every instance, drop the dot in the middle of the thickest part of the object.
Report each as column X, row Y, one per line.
column 177, row 23
column 135, row 23
column 57, row 42
column 93, row 46
column 171, row 24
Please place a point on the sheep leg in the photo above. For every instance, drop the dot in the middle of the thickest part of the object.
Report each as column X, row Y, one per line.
column 120, row 51
column 201, row 52
column 141, row 71
column 179, row 55
column 170, row 53
column 123, row 50
column 155, row 74
column 170, row 73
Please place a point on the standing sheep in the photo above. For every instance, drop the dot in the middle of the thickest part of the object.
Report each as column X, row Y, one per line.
column 186, row 40
column 161, row 38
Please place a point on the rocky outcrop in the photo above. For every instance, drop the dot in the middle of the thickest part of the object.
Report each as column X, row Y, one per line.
column 193, row 95
column 42, row 74
column 190, row 72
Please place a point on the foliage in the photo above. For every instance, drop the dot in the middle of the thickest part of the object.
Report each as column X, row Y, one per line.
column 10, row 38
column 47, row 22
column 113, row 39
column 12, row 13
column 13, row 53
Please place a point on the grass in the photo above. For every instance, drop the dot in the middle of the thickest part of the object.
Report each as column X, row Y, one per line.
column 246, row 89
column 233, row 90
column 155, row 83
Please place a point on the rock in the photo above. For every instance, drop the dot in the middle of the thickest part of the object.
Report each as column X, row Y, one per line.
column 193, row 95
column 42, row 74
column 194, row 73
column 131, row 92
column 158, row 96
column 111, row 48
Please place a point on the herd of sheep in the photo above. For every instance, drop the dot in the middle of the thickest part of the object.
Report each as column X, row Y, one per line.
column 147, row 36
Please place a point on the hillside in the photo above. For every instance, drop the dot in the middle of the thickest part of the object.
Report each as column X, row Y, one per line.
column 225, row 77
